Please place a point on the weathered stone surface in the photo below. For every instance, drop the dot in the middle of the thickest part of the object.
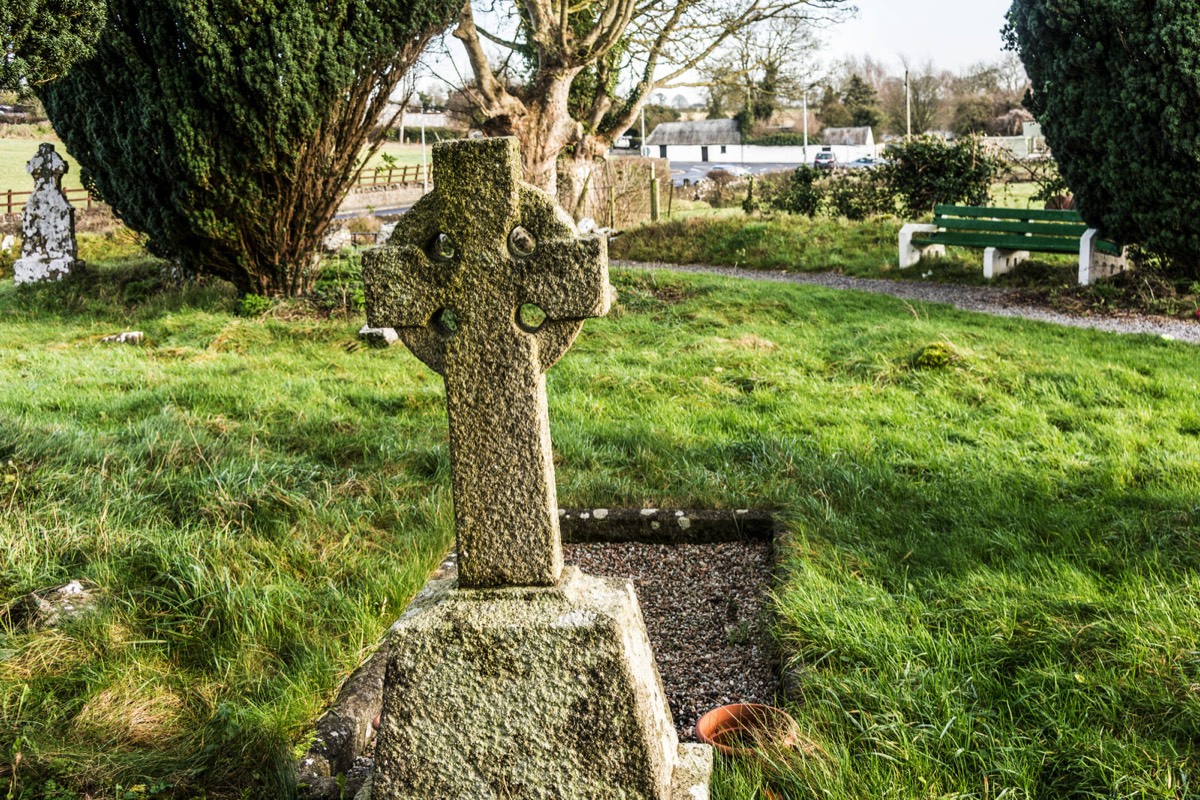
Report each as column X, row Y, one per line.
column 525, row 693
column 452, row 281
column 128, row 337
column 378, row 337
column 48, row 248
column 693, row 772
column 337, row 239
column 48, row 608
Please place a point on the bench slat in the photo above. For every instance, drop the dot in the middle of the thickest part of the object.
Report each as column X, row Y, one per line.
column 1041, row 244
column 1039, row 214
column 991, row 225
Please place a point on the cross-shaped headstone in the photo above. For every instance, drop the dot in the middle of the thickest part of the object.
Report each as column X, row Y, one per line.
column 487, row 281
column 48, row 249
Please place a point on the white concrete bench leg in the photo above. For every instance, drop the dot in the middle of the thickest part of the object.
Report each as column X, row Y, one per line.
column 997, row 262
column 911, row 254
column 1094, row 265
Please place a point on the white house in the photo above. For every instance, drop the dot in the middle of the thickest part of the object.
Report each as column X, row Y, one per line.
column 718, row 141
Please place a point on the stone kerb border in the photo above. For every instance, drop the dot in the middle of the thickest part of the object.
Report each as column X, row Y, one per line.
column 334, row 767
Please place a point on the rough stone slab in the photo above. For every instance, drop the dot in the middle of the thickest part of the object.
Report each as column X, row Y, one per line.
column 128, row 337
column 378, row 337
column 525, row 693
column 693, row 772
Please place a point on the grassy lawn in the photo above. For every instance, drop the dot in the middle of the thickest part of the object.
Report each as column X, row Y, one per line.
column 993, row 589
column 700, row 234
column 15, row 154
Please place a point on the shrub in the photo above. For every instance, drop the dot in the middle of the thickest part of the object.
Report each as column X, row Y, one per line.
column 1116, row 86
column 253, row 305
column 801, row 194
column 926, row 171
column 859, row 194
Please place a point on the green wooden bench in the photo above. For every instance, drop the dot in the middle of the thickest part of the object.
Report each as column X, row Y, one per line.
column 1008, row 236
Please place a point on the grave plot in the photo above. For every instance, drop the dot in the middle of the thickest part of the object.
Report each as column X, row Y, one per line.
column 703, row 580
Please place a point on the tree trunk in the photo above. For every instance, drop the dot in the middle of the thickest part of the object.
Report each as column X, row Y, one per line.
column 544, row 128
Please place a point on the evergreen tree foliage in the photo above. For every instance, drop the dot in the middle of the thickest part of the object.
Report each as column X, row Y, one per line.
column 229, row 130
column 861, row 102
column 42, row 38
column 1116, row 86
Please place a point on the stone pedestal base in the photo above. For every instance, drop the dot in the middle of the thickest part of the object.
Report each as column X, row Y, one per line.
column 529, row 693
column 35, row 269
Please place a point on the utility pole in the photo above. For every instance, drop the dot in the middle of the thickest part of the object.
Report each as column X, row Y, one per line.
column 645, row 148
column 806, row 124
column 908, row 104
column 424, row 157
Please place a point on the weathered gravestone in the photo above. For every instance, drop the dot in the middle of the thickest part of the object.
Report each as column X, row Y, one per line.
column 48, row 249
column 521, row 679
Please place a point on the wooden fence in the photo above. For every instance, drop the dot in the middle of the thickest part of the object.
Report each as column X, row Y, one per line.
column 14, row 202
column 384, row 176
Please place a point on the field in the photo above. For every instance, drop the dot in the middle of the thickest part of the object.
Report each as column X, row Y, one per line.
column 991, row 590
column 16, row 152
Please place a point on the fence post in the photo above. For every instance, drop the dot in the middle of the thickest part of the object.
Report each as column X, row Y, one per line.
column 89, row 204
column 612, row 207
column 10, row 211
column 653, row 194
column 670, row 197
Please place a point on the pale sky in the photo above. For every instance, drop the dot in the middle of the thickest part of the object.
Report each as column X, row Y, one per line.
column 953, row 33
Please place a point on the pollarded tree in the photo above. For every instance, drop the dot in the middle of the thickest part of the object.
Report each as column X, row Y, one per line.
column 1116, row 86
column 40, row 39
column 229, row 130
column 623, row 50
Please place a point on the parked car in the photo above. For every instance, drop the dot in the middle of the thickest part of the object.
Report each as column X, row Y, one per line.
column 826, row 159
column 732, row 169
column 866, row 163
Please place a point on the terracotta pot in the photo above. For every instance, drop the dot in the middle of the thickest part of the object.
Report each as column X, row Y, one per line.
column 744, row 728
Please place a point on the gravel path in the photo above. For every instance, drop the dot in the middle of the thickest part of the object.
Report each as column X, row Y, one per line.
column 705, row 611
column 985, row 299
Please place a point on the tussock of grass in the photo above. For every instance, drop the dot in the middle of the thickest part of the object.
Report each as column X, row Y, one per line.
column 790, row 243
column 991, row 590
column 780, row 242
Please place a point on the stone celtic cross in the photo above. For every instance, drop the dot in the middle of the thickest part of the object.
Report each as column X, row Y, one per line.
column 488, row 283
column 48, row 250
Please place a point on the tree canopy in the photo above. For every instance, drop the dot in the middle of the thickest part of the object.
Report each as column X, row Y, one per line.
column 42, row 38
column 1116, row 86
column 229, row 130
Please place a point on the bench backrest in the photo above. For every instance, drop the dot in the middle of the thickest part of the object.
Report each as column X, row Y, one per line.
column 1040, row 229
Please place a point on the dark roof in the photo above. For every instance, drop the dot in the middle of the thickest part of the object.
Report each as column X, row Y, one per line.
column 704, row 131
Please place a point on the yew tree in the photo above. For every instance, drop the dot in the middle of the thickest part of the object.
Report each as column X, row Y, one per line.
column 1116, row 86
column 228, row 131
column 42, row 38
column 573, row 75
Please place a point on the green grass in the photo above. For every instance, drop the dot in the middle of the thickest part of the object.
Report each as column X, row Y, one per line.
column 403, row 153
column 15, row 154
column 991, row 591
column 791, row 243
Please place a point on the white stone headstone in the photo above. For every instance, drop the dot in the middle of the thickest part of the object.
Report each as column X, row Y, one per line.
column 48, row 249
